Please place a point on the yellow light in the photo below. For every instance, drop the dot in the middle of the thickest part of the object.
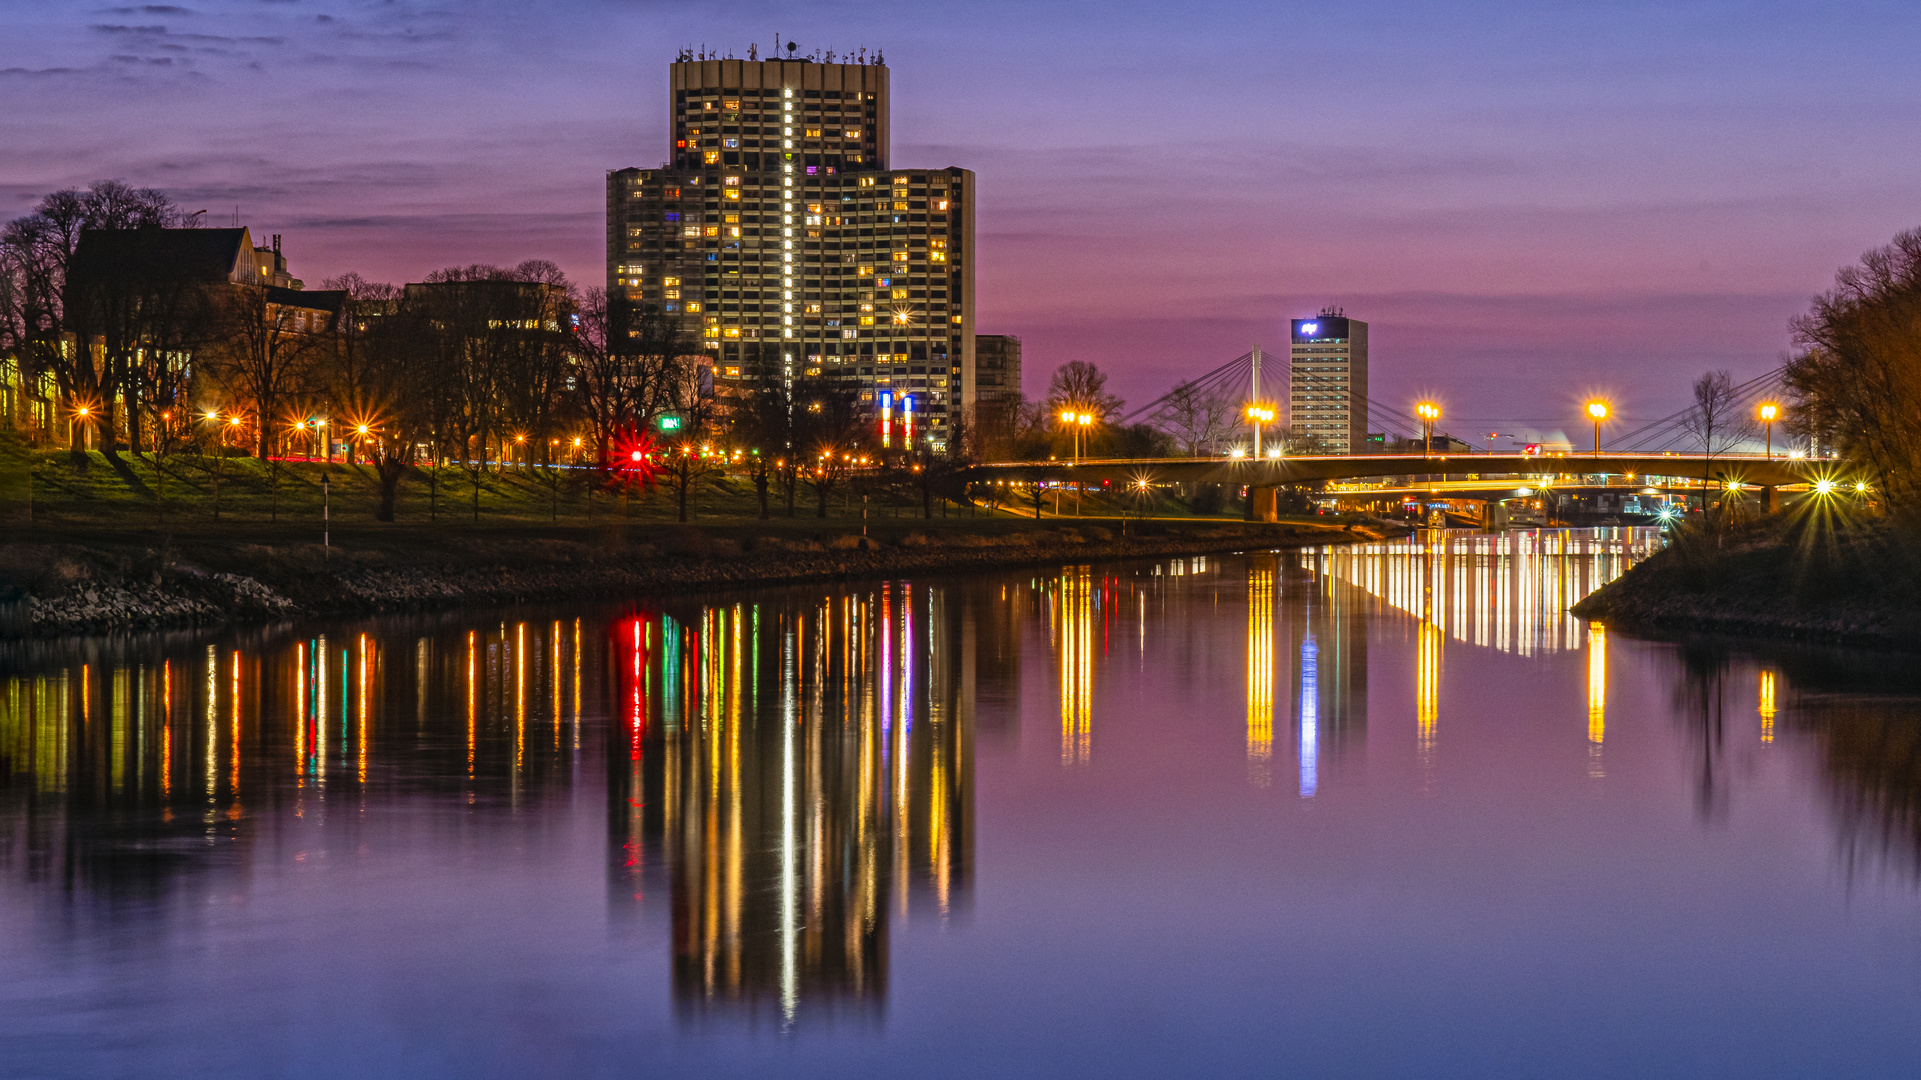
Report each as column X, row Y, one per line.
column 300, row 425
column 1823, row 487
column 1085, row 419
column 576, row 443
column 236, row 421
column 83, row 410
column 1598, row 410
column 1859, row 486
column 1427, row 410
column 1067, row 417
column 362, row 429
column 1768, row 412
column 520, row 438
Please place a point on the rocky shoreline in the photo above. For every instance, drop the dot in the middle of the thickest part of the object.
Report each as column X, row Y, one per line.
column 56, row 589
column 1771, row 580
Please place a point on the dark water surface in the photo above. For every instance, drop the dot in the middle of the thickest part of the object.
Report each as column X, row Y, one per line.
column 1370, row 811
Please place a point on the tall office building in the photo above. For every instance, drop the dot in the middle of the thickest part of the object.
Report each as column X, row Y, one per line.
column 1327, row 387
column 781, row 235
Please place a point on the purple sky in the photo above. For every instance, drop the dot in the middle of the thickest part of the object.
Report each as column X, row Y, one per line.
column 1527, row 202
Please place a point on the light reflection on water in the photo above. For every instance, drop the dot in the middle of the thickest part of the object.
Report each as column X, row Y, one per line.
column 728, row 817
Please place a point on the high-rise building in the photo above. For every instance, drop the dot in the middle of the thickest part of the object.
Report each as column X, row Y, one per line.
column 997, row 368
column 1327, row 387
column 781, row 235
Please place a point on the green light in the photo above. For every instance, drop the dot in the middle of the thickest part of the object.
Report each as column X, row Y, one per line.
column 669, row 422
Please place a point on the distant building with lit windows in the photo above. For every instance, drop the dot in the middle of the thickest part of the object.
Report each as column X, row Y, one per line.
column 781, row 235
column 1327, row 384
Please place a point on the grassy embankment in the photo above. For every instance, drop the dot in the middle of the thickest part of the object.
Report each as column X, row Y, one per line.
column 1819, row 572
column 131, row 546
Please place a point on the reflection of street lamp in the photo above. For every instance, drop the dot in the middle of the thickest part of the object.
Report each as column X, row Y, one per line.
column 1428, row 412
column 1597, row 411
column 1768, row 412
column 1259, row 414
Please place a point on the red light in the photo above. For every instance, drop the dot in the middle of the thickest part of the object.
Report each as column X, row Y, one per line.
column 636, row 455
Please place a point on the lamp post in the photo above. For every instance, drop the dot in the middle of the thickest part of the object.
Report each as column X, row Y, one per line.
column 1597, row 411
column 1259, row 414
column 1769, row 410
column 1428, row 412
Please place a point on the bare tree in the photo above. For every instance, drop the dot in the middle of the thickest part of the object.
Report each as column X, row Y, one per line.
column 1716, row 419
column 1199, row 419
column 1857, row 385
column 1082, row 386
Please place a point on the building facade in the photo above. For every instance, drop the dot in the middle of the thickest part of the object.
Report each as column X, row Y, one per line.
column 1327, row 383
column 781, row 235
column 997, row 369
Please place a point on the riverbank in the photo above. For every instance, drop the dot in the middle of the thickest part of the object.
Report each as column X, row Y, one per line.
column 1811, row 576
column 61, row 582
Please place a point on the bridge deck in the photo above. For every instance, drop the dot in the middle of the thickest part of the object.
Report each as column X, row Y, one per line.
column 1749, row 469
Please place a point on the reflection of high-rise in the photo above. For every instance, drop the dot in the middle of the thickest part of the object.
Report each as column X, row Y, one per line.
column 1075, row 613
column 1327, row 626
column 800, row 778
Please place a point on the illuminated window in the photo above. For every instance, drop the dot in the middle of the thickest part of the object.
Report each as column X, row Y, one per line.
column 732, row 332
column 731, row 144
column 691, row 230
column 732, row 105
column 900, row 206
column 900, row 294
column 734, row 231
column 867, row 320
column 712, row 157
column 813, row 309
column 865, row 181
column 670, row 281
column 733, row 373
column 852, row 133
column 712, row 332
column 938, row 256
column 899, row 256
column 733, row 193
column 940, row 204
column 693, row 306
column 671, row 294
column 731, row 219
column 864, row 271
column 713, row 230
column 957, row 320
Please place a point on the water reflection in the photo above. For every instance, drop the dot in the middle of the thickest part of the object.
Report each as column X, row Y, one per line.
column 793, row 779
column 778, row 790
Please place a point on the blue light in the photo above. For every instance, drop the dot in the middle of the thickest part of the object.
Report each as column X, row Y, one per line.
column 1310, row 328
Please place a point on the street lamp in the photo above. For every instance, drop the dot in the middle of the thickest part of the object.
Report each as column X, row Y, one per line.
column 1428, row 412
column 1076, row 422
column 1597, row 411
column 1769, row 410
column 1259, row 414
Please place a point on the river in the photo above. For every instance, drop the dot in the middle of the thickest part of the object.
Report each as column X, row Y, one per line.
column 1372, row 810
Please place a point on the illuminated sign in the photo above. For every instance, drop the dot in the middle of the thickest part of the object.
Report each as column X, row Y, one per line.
column 907, row 420
column 668, row 423
column 886, row 417
column 1310, row 328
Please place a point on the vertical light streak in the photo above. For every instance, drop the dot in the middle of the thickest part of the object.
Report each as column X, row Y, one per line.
column 473, row 701
column 1427, row 690
column 213, row 721
column 233, row 783
column 1260, row 665
column 1597, row 697
column 554, row 679
column 1076, row 638
column 363, row 678
column 520, row 698
column 166, row 729
column 320, row 681
column 576, row 654
column 1766, row 707
column 300, row 712
column 1310, row 716
column 789, row 840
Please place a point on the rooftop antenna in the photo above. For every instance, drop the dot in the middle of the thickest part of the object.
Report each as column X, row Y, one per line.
column 791, row 46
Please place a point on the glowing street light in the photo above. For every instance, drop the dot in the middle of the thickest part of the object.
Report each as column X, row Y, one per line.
column 1769, row 410
column 1260, row 414
column 1597, row 411
column 1428, row 412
